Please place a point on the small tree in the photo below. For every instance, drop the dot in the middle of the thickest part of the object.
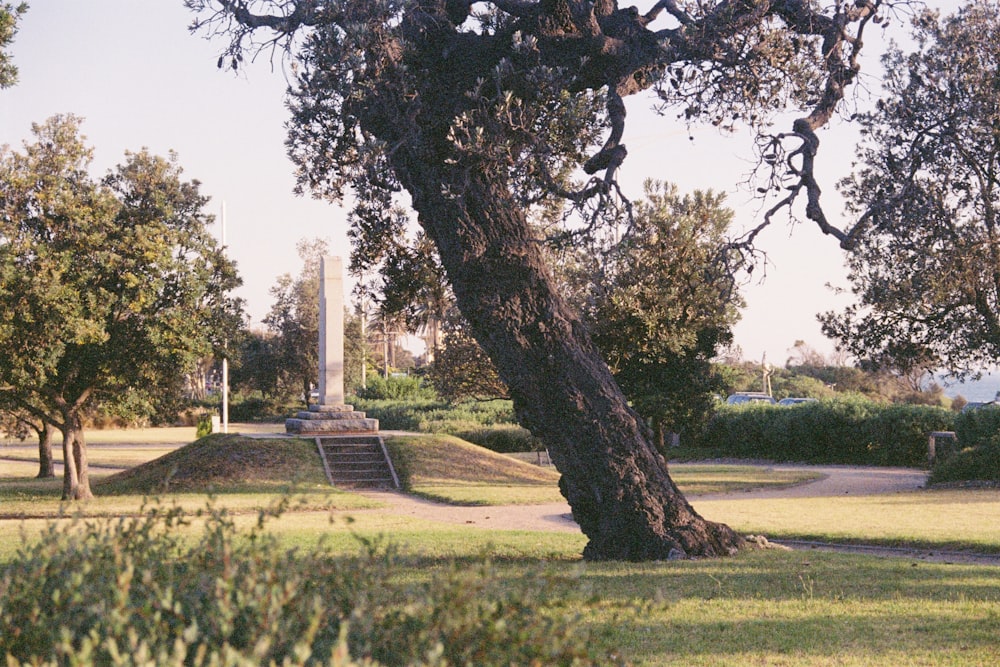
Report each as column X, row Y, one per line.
column 19, row 423
column 663, row 303
column 294, row 321
column 258, row 365
column 105, row 287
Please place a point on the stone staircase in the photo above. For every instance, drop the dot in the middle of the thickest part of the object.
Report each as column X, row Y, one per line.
column 357, row 461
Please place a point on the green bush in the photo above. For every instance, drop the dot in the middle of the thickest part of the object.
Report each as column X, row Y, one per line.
column 976, row 428
column 980, row 464
column 978, row 459
column 504, row 439
column 396, row 388
column 135, row 591
column 847, row 430
column 204, row 426
column 433, row 416
column 256, row 409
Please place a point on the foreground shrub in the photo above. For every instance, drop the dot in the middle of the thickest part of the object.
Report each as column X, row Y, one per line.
column 132, row 592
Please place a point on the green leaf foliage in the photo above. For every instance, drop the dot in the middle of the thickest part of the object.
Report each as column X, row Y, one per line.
column 133, row 591
column 663, row 301
column 10, row 14
column 926, row 267
column 106, row 287
column 978, row 455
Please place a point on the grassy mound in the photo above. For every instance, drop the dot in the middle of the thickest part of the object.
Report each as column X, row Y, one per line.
column 433, row 458
column 234, row 463
column 223, row 463
column 448, row 469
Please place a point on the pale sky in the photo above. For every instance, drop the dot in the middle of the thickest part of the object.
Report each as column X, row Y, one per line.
column 139, row 79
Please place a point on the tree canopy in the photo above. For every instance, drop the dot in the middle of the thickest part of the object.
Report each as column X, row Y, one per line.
column 926, row 267
column 107, row 287
column 294, row 321
column 10, row 14
column 485, row 113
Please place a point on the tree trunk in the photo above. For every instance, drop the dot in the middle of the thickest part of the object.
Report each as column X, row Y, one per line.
column 71, row 480
column 76, row 478
column 46, row 464
column 614, row 479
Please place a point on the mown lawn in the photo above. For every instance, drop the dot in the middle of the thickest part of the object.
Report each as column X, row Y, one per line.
column 772, row 607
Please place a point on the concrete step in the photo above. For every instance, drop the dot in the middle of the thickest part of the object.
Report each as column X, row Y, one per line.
column 356, row 461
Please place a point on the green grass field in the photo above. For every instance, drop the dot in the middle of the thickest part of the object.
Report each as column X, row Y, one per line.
column 772, row 607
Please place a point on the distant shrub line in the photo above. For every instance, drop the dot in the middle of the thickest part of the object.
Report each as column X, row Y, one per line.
column 850, row 430
column 855, row 431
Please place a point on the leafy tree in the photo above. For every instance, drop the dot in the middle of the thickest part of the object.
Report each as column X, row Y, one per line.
column 257, row 367
column 403, row 277
column 926, row 270
column 105, row 287
column 19, row 423
column 663, row 303
column 484, row 118
column 294, row 321
column 461, row 370
column 10, row 14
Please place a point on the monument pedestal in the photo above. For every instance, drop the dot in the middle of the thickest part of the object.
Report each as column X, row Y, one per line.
column 331, row 420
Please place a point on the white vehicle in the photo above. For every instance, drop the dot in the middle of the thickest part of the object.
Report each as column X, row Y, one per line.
column 743, row 397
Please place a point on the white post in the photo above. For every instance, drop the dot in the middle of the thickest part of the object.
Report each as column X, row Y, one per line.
column 364, row 343
column 331, row 332
column 225, row 361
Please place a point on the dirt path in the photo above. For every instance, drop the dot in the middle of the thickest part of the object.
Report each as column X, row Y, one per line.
column 836, row 481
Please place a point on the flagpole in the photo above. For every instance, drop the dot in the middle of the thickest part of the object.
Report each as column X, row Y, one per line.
column 225, row 360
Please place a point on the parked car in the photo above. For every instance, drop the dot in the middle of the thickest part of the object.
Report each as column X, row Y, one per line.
column 795, row 401
column 979, row 405
column 743, row 397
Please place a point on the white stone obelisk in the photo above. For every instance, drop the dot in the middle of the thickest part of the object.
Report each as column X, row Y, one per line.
column 330, row 415
column 331, row 332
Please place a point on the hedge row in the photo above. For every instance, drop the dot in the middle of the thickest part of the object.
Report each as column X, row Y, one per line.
column 844, row 430
column 429, row 416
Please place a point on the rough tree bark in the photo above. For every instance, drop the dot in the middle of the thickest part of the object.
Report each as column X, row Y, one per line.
column 615, row 481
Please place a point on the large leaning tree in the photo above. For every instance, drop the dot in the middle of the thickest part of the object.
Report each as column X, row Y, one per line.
column 108, row 287
column 926, row 271
column 483, row 111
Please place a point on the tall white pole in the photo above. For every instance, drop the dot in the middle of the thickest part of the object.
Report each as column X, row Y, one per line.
column 225, row 361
